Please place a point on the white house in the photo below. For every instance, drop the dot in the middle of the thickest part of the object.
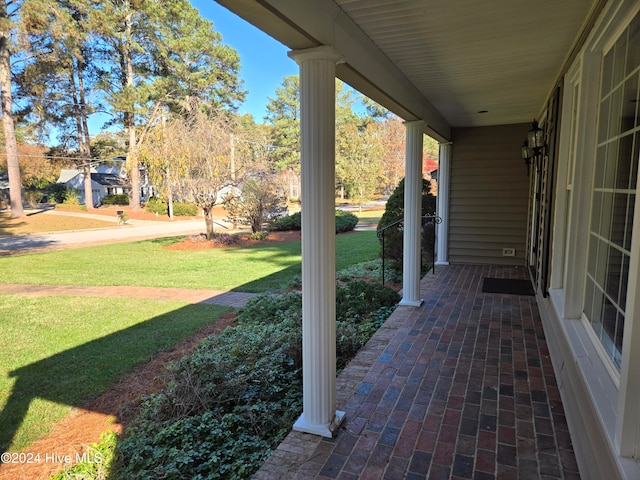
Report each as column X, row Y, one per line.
column 103, row 182
column 474, row 75
column 106, row 179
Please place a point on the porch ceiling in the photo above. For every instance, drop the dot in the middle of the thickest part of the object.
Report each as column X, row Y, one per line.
column 440, row 61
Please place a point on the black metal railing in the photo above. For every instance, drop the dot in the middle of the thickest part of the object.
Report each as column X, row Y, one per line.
column 381, row 235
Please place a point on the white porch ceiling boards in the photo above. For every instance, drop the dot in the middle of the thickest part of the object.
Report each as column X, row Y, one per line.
column 437, row 60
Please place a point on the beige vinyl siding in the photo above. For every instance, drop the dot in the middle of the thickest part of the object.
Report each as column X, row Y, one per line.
column 488, row 195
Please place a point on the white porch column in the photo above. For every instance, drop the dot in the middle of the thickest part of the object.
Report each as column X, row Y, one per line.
column 317, row 128
column 444, row 181
column 412, row 214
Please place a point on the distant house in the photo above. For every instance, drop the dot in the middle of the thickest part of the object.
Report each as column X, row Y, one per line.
column 105, row 180
column 102, row 184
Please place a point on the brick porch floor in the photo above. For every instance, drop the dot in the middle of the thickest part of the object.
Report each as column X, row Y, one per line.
column 461, row 387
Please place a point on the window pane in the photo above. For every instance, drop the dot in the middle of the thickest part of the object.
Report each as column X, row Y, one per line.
column 620, row 59
column 601, row 263
column 624, row 281
column 609, row 317
column 614, row 270
column 615, row 115
column 607, row 73
column 618, row 219
column 593, row 255
column 629, row 103
column 631, row 206
column 598, row 301
column 596, row 212
column 617, row 357
column 605, row 216
column 603, row 126
column 633, row 47
column 611, row 164
column 624, row 162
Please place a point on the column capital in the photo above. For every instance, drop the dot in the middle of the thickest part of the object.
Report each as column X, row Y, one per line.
column 323, row 52
column 414, row 123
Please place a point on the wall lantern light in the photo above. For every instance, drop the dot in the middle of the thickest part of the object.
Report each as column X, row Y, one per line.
column 535, row 137
column 533, row 146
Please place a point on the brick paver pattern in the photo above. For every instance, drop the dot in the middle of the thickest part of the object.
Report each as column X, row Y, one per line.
column 461, row 388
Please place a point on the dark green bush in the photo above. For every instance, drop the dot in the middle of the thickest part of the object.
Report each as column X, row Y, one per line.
column 345, row 222
column 394, row 211
column 288, row 222
column 57, row 192
column 358, row 298
column 116, row 199
column 156, row 205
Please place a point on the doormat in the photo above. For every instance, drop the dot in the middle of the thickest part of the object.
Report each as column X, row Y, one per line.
column 508, row 286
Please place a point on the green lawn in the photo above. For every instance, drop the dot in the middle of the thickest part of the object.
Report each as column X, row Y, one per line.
column 58, row 352
column 251, row 269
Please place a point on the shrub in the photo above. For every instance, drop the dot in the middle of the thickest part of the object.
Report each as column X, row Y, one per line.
column 234, row 398
column 57, row 192
column 369, row 270
column 71, row 197
column 345, row 221
column 156, row 205
column 33, row 197
column 184, row 209
column 224, row 409
column 116, row 199
column 394, row 211
column 225, row 239
column 288, row 222
column 259, row 236
column 356, row 299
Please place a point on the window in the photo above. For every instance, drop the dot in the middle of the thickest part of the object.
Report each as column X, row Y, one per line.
column 614, row 191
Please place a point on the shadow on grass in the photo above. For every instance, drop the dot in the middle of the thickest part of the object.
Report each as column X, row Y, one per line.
column 69, row 377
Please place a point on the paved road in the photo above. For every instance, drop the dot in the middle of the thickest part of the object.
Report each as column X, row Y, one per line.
column 132, row 230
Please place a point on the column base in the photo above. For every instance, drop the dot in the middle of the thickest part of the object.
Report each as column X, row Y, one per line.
column 324, row 430
column 411, row 303
column 442, row 263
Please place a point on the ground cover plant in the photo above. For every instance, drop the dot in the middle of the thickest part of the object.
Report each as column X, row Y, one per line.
column 231, row 402
column 250, row 269
column 64, row 351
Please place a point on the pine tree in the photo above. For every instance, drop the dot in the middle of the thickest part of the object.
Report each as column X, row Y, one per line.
column 11, row 146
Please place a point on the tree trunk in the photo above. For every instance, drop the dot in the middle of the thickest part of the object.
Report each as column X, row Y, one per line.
column 80, row 133
column 83, row 138
column 130, row 125
column 208, row 220
column 11, row 145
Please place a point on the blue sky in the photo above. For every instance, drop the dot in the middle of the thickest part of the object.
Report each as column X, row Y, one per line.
column 264, row 60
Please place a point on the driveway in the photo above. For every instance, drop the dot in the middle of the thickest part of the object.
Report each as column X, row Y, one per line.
column 132, row 230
